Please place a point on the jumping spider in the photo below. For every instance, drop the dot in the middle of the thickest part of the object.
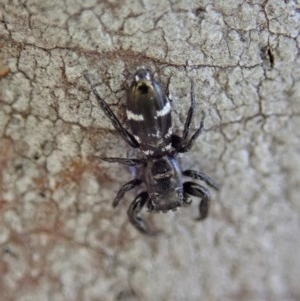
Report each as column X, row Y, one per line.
column 149, row 117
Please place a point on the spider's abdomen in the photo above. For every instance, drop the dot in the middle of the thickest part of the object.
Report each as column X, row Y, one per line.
column 149, row 114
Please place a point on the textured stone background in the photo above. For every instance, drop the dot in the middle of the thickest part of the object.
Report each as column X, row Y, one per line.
column 59, row 237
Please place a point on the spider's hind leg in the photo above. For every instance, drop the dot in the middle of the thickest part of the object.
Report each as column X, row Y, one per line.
column 129, row 138
column 183, row 144
column 125, row 161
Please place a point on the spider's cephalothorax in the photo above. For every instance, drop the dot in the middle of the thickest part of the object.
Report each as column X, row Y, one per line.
column 149, row 117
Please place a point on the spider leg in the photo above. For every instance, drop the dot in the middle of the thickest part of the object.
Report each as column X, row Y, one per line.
column 198, row 175
column 189, row 115
column 186, row 200
column 183, row 144
column 126, row 187
column 125, row 161
column 129, row 138
column 134, row 209
column 199, row 191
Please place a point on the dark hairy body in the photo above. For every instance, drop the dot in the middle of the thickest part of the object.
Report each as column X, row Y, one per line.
column 149, row 116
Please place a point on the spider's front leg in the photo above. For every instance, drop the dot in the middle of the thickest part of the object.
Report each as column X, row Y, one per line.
column 134, row 209
column 126, row 187
column 198, row 175
column 183, row 144
column 129, row 138
column 199, row 191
